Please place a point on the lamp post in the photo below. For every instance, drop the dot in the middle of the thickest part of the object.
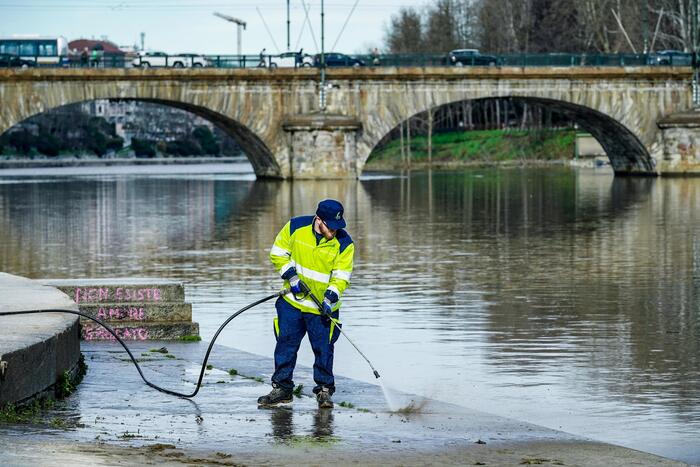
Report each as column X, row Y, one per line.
column 322, row 93
column 239, row 23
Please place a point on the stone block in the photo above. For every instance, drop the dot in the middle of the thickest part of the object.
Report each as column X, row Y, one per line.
column 140, row 331
column 138, row 312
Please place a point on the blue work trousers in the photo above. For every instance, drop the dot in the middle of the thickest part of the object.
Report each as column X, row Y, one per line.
column 290, row 327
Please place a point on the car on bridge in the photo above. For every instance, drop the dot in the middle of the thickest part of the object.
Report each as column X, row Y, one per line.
column 15, row 61
column 288, row 60
column 462, row 57
column 671, row 58
column 337, row 59
column 161, row 59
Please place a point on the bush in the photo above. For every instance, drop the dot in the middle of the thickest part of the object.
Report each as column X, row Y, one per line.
column 22, row 141
column 115, row 144
column 206, row 140
column 48, row 144
column 183, row 147
column 143, row 147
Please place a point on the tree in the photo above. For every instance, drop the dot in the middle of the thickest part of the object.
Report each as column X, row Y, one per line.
column 48, row 144
column 143, row 148
column 405, row 33
column 206, row 139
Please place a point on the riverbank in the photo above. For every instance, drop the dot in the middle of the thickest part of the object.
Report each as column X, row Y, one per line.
column 113, row 418
column 478, row 148
column 25, row 163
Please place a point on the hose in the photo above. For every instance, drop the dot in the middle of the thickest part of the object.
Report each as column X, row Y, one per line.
column 138, row 368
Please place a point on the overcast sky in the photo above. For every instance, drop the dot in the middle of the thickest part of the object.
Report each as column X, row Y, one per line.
column 189, row 26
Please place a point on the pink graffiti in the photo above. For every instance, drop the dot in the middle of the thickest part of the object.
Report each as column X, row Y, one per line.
column 132, row 313
column 91, row 295
column 118, row 294
column 136, row 295
column 90, row 333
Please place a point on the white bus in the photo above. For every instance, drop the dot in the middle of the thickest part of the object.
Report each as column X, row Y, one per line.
column 42, row 50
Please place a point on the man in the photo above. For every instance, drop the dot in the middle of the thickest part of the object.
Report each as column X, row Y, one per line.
column 314, row 255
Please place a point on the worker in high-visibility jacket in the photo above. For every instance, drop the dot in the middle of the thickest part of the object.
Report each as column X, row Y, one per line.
column 312, row 254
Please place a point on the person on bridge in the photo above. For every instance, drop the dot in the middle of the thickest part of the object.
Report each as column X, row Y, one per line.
column 313, row 255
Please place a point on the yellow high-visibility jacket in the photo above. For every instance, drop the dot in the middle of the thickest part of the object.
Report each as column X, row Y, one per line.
column 322, row 264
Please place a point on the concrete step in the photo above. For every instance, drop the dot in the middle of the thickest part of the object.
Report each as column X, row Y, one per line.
column 119, row 290
column 138, row 312
column 139, row 331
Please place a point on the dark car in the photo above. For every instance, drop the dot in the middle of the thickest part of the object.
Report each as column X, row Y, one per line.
column 10, row 60
column 336, row 59
column 671, row 58
column 462, row 57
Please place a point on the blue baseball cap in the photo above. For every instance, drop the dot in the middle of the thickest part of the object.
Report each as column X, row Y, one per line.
column 330, row 211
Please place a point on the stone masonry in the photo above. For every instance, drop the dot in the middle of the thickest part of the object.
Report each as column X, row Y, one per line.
column 143, row 309
column 273, row 113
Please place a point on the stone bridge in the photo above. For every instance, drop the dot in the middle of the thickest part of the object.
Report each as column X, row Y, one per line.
column 641, row 116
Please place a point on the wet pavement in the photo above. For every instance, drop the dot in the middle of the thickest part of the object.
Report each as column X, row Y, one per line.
column 114, row 418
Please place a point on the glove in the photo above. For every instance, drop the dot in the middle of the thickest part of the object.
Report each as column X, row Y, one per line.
column 296, row 285
column 330, row 298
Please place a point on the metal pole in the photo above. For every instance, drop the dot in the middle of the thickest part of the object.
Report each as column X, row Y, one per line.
column 288, row 26
column 645, row 26
column 322, row 94
column 240, row 34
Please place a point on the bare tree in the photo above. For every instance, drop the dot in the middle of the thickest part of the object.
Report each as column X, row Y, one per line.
column 405, row 33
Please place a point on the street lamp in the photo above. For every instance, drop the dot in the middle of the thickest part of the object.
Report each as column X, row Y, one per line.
column 238, row 23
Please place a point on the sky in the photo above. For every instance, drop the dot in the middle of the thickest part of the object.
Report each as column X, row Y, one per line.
column 176, row 26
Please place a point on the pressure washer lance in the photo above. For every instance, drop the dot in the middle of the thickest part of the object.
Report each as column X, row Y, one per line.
column 138, row 368
column 307, row 291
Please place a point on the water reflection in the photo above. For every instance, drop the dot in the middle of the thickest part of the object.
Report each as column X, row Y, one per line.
column 564, row 298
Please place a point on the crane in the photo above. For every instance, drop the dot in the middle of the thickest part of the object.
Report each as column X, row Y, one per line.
column 239, row 23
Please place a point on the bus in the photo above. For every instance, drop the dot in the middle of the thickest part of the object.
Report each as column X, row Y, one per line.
column 42, row 50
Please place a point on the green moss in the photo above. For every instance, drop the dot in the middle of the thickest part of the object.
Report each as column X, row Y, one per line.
column 210, row 367
column 347, row 405
column 297, row 390
column 30, row 413
column 170, row 356
column 259, row 379
column 233, row 372
column 190, row 338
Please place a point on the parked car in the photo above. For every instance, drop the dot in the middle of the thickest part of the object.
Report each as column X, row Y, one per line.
column 671, row 57
column 336, row 59
column 161, row 59
column 289, row 59
column 461, row 57
column 11, row 61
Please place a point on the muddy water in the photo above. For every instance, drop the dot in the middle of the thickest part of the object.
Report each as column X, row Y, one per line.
column 564, row 298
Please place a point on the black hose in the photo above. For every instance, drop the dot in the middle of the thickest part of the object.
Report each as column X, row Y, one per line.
column 138, row 368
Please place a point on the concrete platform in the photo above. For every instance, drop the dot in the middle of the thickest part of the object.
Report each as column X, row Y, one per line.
column 115, row 419
column 35, row 349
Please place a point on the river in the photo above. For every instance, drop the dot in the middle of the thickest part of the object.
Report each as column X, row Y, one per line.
column 564, row 297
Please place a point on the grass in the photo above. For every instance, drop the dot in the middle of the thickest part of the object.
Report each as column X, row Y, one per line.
column 190, row 338
column 347, row 405
column 297, row 390
column 233, row 372
column 170, row 356
column 10, row 414
column 210, row 367
column 483, row 146
column 161, row 350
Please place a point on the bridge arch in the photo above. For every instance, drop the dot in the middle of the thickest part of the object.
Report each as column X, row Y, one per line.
column 626, row 152
column 255, row 149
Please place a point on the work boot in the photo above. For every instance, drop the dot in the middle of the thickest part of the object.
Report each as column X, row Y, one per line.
column 277, row 396
column 324, row 399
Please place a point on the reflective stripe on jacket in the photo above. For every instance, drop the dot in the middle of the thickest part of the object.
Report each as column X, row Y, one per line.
column 321, row 264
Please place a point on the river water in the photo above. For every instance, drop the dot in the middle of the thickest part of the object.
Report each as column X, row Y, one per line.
column 567, row 298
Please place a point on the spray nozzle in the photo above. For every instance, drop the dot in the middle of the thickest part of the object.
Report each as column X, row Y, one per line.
column 376, row 374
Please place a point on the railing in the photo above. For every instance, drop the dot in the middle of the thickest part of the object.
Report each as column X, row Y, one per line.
column 111, row 60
